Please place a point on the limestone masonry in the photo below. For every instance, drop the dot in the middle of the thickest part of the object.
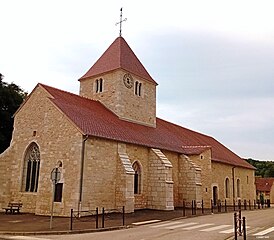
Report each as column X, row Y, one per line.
column 112, row 150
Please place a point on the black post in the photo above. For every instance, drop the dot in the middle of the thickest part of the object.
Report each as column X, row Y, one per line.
column 220, row 205
column 240, row 222
column 254, row 204
column 249, row 204
column 235, row 226
column 239, row 204
column 234, row 205
column 123, row 215
column 195, row 207
column 245, row 204
column 202, row 206
column 71, row 219
column 103, row 217
column 225, row 206
column 184, row 208
column 244, row 228
column 97, row 218
column 192, row 210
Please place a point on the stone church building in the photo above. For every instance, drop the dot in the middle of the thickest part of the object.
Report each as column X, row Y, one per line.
column 111, row 149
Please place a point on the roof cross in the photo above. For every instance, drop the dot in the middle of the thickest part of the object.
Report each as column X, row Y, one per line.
column 121, row 20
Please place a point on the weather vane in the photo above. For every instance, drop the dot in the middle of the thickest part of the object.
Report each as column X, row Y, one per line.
column 121, row 20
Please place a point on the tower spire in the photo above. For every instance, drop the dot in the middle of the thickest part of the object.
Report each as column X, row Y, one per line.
column 120, row 22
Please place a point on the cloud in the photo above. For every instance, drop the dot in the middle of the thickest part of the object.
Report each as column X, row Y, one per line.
column 218, row 87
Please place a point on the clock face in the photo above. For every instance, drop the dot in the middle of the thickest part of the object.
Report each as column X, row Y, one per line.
column 128, row 80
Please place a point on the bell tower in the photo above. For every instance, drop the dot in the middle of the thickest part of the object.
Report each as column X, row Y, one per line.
column 120, row 82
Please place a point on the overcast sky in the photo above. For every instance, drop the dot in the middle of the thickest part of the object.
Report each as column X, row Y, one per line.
column 213, row 60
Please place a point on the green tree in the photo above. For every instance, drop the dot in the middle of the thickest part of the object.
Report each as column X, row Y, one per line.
column 11, row 97
column 263, row 168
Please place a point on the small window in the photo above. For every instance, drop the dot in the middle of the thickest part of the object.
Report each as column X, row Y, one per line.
column 58, row 192
column 138, row 88
column 99, row 85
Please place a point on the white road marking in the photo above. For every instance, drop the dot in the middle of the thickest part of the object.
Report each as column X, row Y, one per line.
column 180, row 225
column 27, row 238
column 228, row 231
column 264, row 232
column 146, row 222
column 215, row 228
column 165, row 224
column 231, row 230
column 198, row 226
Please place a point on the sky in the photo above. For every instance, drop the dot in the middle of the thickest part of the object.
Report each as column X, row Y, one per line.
column 213, row 60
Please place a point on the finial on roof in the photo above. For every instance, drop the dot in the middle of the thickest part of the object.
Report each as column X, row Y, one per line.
column 121, row 20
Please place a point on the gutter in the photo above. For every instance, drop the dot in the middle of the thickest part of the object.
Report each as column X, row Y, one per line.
column 85, row 138
column 233, row 182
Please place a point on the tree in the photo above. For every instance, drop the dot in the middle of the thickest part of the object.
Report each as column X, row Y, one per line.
column 263, row 168
column 11, row 97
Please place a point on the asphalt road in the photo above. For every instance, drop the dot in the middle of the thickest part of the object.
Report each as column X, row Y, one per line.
column 260, row 225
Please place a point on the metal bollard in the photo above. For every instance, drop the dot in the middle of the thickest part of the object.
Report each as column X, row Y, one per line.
column 123, row 215
column 97, row 218
column 184, row 208
column 71, row 219
column 244, row 228
column 103, row 217
column 235, row 226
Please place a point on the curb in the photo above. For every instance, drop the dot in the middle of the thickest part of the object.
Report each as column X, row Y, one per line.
column 63, row 232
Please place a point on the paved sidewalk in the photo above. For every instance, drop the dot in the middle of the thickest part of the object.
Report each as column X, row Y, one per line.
column 25, row 223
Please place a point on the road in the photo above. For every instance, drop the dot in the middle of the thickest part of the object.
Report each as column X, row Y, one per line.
column 214, row 227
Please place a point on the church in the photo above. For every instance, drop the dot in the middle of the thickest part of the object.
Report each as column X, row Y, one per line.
column 111, row 150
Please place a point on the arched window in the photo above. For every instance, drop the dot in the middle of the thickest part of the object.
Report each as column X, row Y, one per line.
column 31, row 168
column 138, row 88
column 227, row 192
column 137, row 177
column 238, row 188
column 99, row 85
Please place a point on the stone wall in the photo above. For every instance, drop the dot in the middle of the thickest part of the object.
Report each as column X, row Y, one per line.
column 203, row 161
column 247, row 182
column 122, row 100
column 41, row 122
column 189, row 181
column 141, row 155
column 160, row 183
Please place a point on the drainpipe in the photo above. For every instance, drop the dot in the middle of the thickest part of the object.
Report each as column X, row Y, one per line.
column 233, row 182
column 85, row 138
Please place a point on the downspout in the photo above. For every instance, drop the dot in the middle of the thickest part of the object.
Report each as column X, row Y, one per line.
column 233, row 182
column 85, row 138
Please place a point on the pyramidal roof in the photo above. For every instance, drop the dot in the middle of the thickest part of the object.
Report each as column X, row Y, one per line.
column 119, row 55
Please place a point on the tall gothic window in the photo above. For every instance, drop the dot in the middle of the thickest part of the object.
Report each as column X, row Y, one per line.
column 137, row 177
column 31, row 168
column 227, row 193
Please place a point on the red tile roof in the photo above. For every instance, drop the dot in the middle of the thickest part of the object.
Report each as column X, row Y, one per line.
column 94, row 119
column 118, row 56
column 263, row 184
